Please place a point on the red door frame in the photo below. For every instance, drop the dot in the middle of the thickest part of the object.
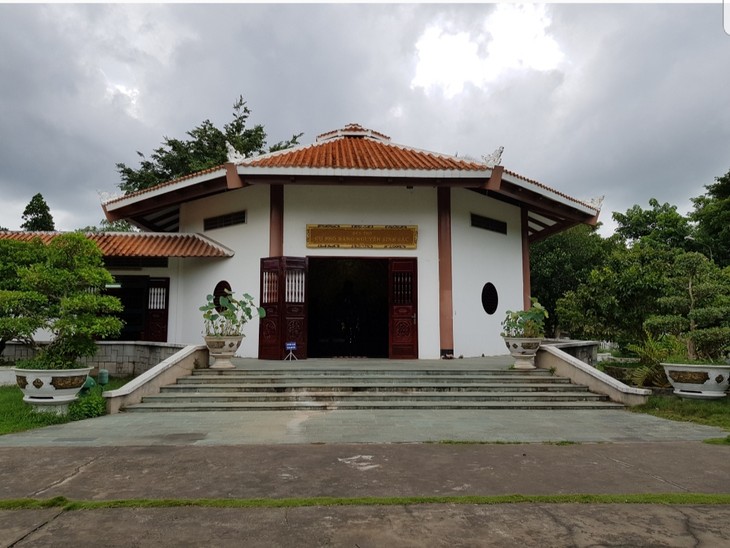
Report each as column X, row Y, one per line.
column 284, row 297
column 403, row 308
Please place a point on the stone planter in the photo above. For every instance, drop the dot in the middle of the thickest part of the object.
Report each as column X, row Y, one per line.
column 698, row 381
column 51, row 390
column 222, row 349
column 523, row 350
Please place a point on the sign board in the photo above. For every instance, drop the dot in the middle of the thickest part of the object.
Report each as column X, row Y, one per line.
column 290, row 346
column 362, row 236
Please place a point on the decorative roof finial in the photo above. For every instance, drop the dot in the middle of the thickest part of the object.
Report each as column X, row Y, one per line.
column 494, row 158
column 595, row 203
column 234, row 156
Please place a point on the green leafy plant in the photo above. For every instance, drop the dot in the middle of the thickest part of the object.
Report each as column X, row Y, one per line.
column 88, row 406
column 652, row 352
column 226, row 316
column 70, row 281
column 528, row 323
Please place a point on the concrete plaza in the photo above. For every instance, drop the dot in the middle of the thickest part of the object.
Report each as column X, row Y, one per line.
column 276, row 455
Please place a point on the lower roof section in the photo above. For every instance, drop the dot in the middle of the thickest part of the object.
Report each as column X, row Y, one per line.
column 139, row 244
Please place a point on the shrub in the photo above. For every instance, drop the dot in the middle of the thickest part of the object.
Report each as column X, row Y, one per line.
column 88, row 406
column 651, row 353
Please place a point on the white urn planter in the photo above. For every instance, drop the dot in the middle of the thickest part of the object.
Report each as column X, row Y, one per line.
column 51, row 390
column 523, row 350
column 699, row 381
column 222, row 349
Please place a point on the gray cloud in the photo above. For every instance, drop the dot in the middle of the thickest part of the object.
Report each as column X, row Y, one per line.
column 637, row 108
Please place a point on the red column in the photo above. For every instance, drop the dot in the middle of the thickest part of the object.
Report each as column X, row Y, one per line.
column 525, row 261
column 446, row 302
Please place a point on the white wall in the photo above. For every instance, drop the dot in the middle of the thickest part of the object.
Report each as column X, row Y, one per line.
column 250, row 241
column 358, row 205
column 480, row 256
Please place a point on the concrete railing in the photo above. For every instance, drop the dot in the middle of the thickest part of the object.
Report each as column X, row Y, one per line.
column 585, row 351
column 166, row 372
column 120, row 358
column 565, row 365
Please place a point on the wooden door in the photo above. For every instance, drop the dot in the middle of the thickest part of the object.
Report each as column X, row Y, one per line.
column 284, row 297
column 145, row 303
column 403, row 305
column 157, row 307
column 133, row 293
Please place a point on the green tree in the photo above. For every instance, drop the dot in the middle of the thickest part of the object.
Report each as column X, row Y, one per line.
column 661, row 225
column 617, row 298
column 205, row 148
column 562, row 262
column 695, row 306
column 37, row 215
column 72, row 279
column 20, row 309
column 712, row 214
column 110, row 226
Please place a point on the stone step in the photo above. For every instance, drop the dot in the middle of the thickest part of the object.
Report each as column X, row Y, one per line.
column 343, row 379
column 292, row 387
column 374, row 396
column 349, row 387
column 343, row 405
column 348, row 372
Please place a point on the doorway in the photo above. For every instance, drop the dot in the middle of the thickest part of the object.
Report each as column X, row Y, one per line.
column 348, row 307
column 326, row 307
column 145, row 307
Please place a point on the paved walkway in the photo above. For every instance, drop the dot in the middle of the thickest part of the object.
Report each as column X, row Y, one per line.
column 382, row 426
column 280, row 472
column 300, row 455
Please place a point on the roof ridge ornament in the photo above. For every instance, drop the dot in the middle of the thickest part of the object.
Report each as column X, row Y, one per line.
column 495, row 158
column 353, row 130
column 105, row 196
column 595, row 203
column 234, row 156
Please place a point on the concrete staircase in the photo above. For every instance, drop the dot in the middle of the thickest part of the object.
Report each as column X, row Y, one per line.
column 380, row 385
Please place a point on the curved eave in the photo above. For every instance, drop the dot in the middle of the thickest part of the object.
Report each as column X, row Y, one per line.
column 288, row 173
column 549, row 211
column 157, row 209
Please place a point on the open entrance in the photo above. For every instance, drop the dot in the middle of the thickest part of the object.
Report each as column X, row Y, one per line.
column 328, row 307
column 348, row 307
column 144, row 300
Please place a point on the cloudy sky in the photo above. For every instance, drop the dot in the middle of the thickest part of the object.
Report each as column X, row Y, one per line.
column 624, row 100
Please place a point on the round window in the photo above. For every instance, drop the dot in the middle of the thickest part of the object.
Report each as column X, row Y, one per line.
column 221, row 289
column 490, row 299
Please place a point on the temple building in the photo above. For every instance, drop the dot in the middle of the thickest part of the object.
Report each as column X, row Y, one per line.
column 354, row 245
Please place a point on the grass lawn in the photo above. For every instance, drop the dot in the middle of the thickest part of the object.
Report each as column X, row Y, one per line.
column 709, row 412
column 17, row 416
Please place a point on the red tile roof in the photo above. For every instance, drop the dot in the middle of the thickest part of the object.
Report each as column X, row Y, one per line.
column 139, row 244
column 355, row 147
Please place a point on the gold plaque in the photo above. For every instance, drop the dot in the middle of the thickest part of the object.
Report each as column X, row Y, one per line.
column 362, row 236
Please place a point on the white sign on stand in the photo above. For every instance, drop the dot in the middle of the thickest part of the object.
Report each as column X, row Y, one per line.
column 291, row 347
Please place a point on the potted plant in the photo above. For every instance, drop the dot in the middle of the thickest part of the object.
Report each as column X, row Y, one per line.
column 523, row 331
column 698, row 380
column 225, row 318
column 72, row 307
column 694, row 310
